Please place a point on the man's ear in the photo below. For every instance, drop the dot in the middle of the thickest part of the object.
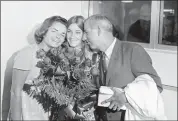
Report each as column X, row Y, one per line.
column 99, row 31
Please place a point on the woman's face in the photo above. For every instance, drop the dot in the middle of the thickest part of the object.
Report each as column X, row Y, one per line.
column 74, row 35
column 55, row 35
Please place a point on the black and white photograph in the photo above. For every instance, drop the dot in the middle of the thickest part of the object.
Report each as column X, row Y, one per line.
column 89, row 60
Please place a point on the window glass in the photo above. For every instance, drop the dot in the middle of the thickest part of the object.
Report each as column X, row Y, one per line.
column 131, row 18
column 169, row 23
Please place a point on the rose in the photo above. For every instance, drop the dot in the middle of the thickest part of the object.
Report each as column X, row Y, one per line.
column 40, row 64
column 76, row 74
column 40, row 54
column 94, row 71
column 54, row 51
column 73, row 61
column 66, row 68
column 64, row 65
column 49, row 70
column 77, row 60
column 47, row 60
column 69, row 52
column 45, row 69
column 61, row 55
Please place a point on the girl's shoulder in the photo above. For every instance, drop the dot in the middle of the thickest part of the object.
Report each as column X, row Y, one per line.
column 24, row 57
column 29, row 49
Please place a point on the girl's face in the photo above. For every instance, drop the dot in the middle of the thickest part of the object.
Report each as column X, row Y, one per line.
column 55, row 35
column 74, row 35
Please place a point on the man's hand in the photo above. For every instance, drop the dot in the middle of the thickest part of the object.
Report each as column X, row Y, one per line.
column 117, row 100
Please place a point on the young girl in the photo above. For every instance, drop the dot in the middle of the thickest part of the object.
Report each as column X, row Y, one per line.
column 76, row 44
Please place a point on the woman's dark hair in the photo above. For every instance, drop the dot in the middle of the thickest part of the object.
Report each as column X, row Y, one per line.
column 40, row 32
column 79, row 20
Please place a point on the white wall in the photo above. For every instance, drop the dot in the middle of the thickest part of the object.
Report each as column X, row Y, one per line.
column 170, row 102
column 165, row 63
column 18, row 18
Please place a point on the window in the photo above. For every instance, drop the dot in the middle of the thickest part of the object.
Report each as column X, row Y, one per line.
column 131, row 19
column 168, row 23
column 152, row 24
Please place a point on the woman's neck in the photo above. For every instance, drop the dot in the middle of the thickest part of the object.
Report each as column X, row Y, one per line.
column 43, row 46
column 79, row 46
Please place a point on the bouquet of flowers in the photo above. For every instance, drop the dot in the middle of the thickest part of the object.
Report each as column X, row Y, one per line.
column 65, row 77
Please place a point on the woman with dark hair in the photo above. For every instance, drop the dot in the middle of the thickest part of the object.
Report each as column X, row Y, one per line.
column 51, row 34
column 75, row 44
column 75, row 31
column 75, row 37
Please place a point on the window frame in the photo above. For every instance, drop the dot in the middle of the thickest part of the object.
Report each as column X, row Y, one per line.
column 85, row 8
column 157, row 8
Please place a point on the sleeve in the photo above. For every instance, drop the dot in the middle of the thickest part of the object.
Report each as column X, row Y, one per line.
column 141, row 63
column 23, row 60
column 150, row 105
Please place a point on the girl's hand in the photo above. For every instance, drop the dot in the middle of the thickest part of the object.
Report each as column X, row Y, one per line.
column 78, row 116
column 69, row 111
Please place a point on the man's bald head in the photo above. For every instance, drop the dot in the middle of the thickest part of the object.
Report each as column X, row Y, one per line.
column 98, row 32
column 100, row 21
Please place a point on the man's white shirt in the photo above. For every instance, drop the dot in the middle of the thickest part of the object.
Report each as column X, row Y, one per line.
column 108, row 52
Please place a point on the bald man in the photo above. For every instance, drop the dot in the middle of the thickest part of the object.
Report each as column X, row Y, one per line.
column 140, row 30
column 124, row 62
